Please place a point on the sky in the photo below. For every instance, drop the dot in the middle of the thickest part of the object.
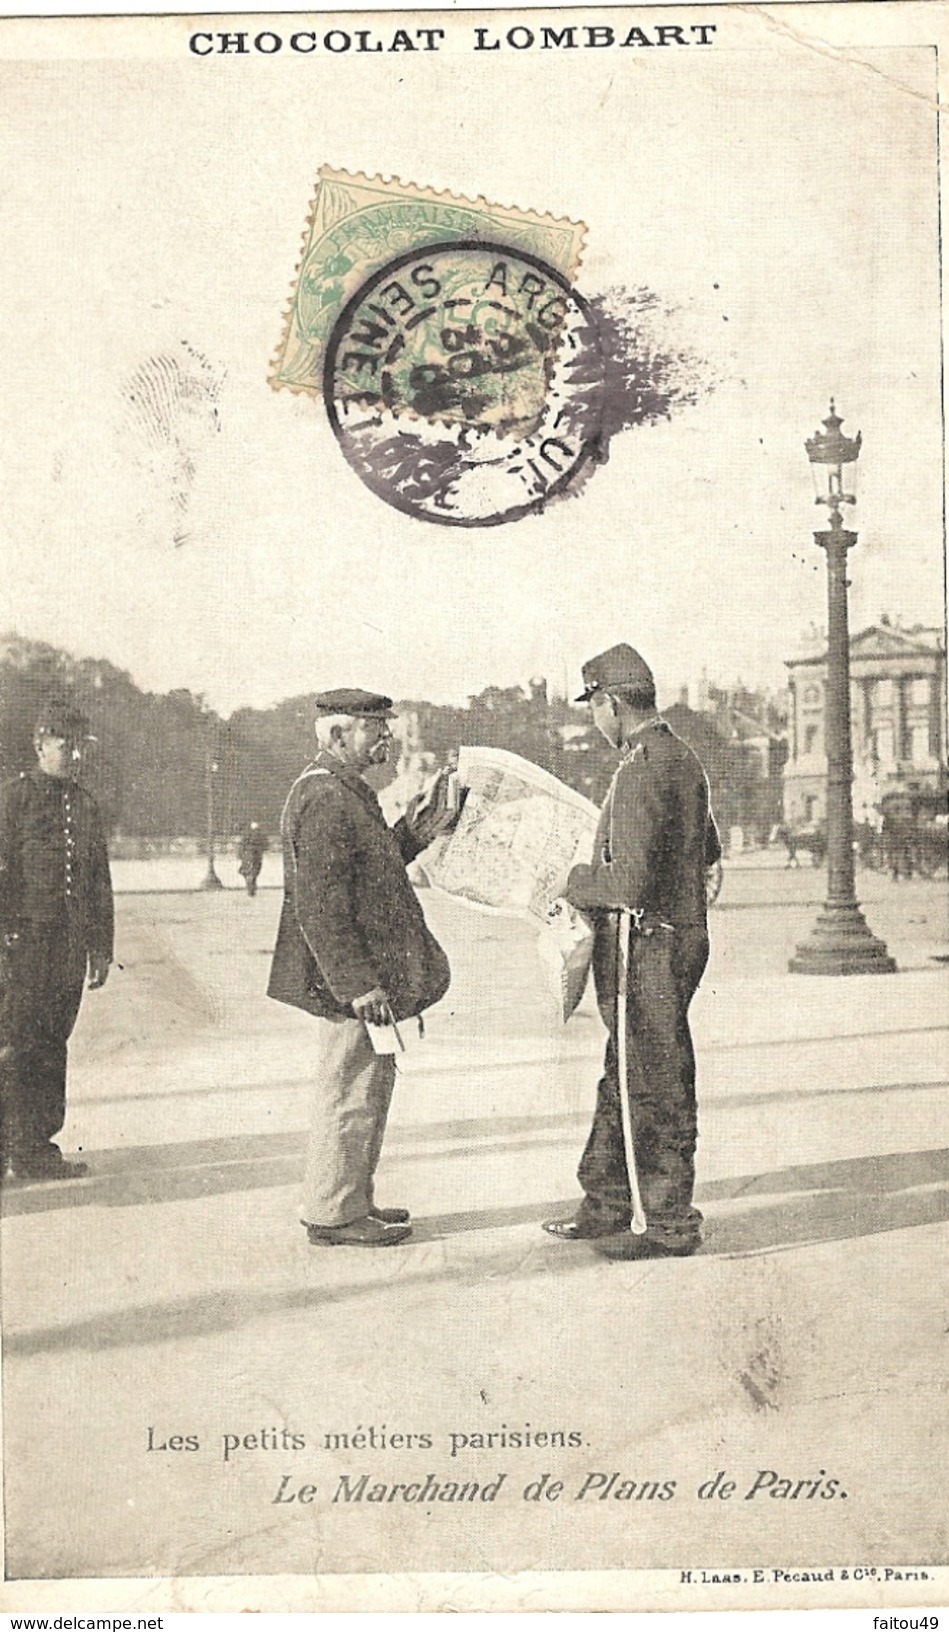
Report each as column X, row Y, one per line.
column 781, row 199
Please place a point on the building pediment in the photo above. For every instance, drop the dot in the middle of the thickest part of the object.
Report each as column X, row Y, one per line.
column 882, row 640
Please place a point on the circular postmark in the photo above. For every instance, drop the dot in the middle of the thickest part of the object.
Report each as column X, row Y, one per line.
column 464, row 384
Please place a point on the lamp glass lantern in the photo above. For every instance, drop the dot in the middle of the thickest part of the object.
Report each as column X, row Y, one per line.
column 833, row 459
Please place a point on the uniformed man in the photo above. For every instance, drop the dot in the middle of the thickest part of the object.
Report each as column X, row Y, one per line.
column 899, row 834
column 353, row 949
column 645, row 890
column 253, row 845
column 56, row 922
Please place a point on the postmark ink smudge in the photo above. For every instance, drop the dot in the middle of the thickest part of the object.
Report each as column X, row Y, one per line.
column 468, row 384
column 643, row 373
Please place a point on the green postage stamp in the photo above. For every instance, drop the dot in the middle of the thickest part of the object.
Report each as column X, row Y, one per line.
column 358, row 224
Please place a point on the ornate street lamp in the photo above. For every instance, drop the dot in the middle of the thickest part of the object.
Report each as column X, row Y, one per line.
column 210, row 880
column 840, row 942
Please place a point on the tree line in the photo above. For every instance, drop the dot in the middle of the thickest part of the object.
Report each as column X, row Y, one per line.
column 156, row 755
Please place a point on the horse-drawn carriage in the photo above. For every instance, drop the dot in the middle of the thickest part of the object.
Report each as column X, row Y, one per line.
column 932, row 845
column 913, row 837
column 809, row 840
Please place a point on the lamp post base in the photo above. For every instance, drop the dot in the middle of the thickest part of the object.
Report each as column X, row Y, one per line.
column 841, row 944
column 210, row 881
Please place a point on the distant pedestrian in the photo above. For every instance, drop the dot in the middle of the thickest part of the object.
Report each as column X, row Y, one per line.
column 252, row 848
column 899, row 836
column 353, row 949
column 788, row 838
column 56, row 920
column 646, row 893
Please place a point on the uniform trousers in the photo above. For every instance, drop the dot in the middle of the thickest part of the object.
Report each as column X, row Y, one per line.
column 664, row 970
column 349, row 1106
column 41, row 984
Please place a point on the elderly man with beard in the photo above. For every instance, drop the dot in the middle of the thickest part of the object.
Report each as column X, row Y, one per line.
column 353, row 949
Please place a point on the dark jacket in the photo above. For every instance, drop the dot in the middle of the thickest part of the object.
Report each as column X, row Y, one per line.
column 54, row 862
column 351, row 919
column 656, row 836
column 655, row 841
column 253, row 844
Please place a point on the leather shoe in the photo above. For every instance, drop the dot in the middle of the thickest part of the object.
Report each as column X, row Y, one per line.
column 62, row 1170
column 362, row 1232
column 637, row 1247
column 577, row 1229
column 42, row 1169
column 50, row 1163
column 390, row 1215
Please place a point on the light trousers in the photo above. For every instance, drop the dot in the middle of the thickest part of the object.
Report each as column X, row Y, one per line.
column 349, row 1107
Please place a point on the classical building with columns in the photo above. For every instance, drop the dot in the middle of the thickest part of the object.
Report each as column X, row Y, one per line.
column 898, row 718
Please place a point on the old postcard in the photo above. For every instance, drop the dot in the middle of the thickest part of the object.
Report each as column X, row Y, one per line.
column 396, row 391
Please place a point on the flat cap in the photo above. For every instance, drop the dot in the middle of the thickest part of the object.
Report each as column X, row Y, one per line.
column 351, row 700
column 619, row 666
column 59, row 718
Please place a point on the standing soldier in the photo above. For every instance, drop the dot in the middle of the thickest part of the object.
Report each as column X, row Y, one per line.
column 645, row 890
column 56, row 924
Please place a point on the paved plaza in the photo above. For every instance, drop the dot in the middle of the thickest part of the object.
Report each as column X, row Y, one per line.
column 179, row 1363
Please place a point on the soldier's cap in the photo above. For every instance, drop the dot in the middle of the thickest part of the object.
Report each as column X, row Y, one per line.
column 620, row 666
column 351, row 700
column 59, row 718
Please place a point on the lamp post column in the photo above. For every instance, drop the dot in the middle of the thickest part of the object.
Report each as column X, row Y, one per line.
column 841, row 877
column 210, row 880
column 840, row 942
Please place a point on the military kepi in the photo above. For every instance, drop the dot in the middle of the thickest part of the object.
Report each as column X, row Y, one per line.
column 59, row 718
column 350, row 700
column 619, row 666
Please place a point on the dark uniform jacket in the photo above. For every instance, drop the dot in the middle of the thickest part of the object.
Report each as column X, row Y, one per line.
column 351, row 919
column 655, row 840
column 54, row 863
column 251, row 851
